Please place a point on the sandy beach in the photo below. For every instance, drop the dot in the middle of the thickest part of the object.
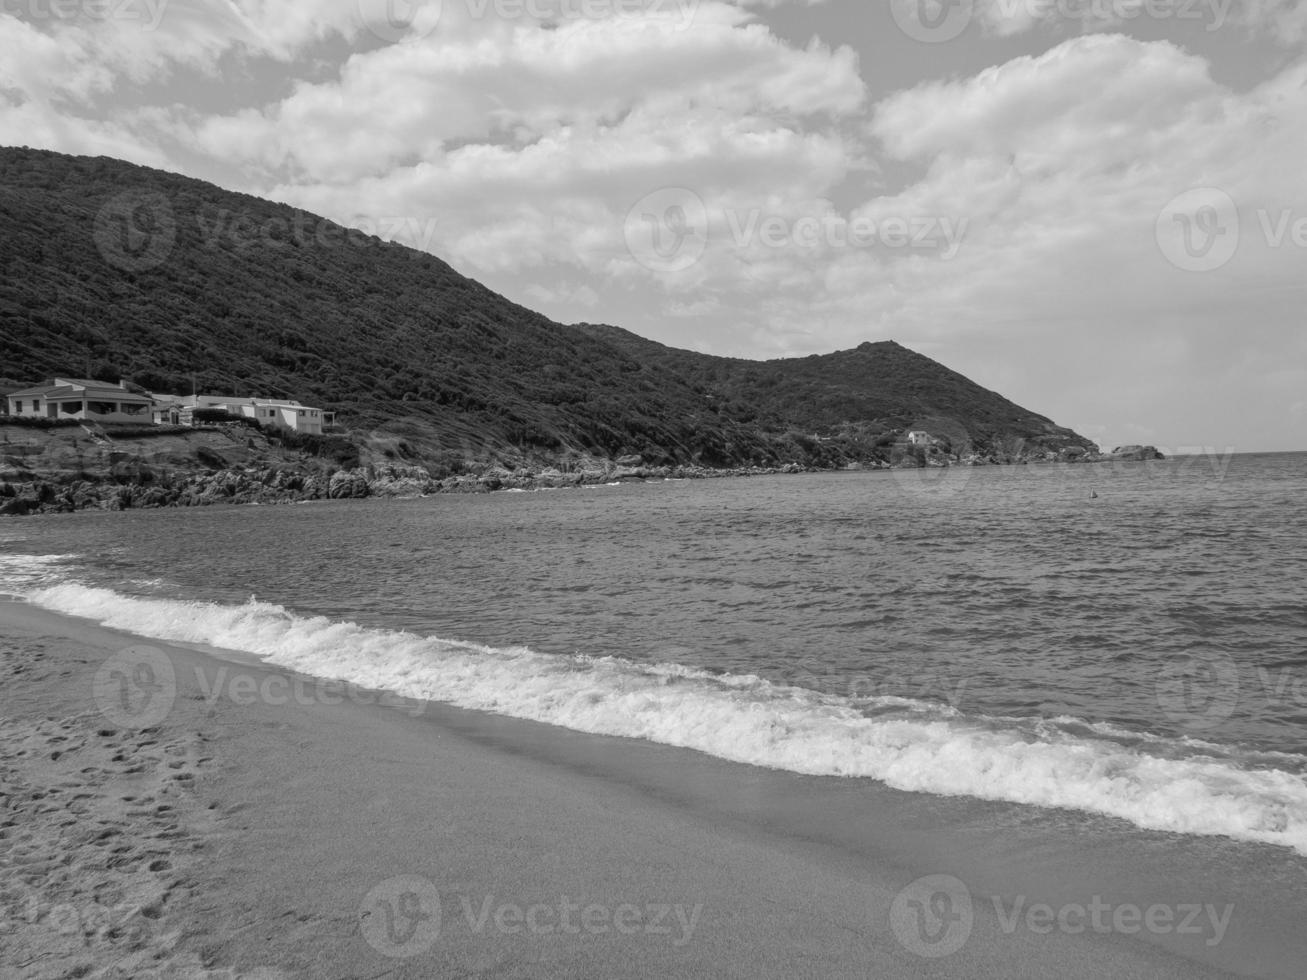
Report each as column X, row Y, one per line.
column 169, row 813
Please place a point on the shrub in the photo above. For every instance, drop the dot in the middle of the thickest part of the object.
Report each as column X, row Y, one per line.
column 31, row 423
column 209, row 458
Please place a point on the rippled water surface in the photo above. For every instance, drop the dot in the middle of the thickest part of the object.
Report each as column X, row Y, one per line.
column 1030, row 591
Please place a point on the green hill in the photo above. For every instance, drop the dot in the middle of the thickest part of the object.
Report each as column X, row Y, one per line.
column 112, row 270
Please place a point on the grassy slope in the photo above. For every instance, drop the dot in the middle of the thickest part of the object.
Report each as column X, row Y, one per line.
column 256, row 297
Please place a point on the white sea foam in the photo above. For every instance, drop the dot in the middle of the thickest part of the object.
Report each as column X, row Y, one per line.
column 20, row 573
column 910, row 746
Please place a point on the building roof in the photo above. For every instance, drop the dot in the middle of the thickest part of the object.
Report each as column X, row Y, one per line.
column 38, row 391
column 253, row 400
column 94, row 390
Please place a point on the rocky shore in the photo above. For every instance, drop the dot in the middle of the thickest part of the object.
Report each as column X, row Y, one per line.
column 270, row 486
column 66, row 470
column 277, row 486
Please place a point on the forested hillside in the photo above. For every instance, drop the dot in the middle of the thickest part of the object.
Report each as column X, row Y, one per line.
column 114, row 271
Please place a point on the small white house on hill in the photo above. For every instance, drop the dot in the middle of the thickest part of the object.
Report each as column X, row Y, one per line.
column 82, row 399
column 282, row 413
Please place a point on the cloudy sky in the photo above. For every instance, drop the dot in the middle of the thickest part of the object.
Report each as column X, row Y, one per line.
column 1095, row 207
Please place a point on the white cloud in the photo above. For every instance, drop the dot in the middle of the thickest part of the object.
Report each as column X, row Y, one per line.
column 514, row 145
column 502, row 132
column 563, row 294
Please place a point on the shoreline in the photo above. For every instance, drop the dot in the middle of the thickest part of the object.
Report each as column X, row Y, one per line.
column 55, row 495
column 308, row 801
column 62, row 468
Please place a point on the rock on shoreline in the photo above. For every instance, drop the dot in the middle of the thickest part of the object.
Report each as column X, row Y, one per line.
column 1139, row 453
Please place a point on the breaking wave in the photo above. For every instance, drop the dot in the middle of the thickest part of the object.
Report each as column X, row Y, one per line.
column 1179, row 785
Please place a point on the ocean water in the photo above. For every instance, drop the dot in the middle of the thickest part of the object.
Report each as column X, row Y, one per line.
column 1126, row 640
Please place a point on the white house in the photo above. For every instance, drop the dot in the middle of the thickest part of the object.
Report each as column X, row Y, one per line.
column 167, row 409
column 918, row 438
column 283, row 413
column 78, row 398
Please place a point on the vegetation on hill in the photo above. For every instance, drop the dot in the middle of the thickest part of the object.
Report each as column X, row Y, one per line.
column 111, row 270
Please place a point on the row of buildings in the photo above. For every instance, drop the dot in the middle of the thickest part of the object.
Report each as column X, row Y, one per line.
column 102, row 401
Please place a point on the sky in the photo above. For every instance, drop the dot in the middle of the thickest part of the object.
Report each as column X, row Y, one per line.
column 1094, row 207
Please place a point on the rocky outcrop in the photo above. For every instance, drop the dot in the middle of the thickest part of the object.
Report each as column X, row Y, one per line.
column 400, row 481
column 348, row 484
column 1139, row 453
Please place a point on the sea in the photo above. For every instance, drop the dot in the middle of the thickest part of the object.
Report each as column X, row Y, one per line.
column 1125, row 640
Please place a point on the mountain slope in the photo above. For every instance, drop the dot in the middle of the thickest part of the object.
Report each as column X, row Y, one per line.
column 879, row 386
column 113, row 270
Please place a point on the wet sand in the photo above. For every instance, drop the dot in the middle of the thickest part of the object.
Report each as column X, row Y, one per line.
column 236, row 820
